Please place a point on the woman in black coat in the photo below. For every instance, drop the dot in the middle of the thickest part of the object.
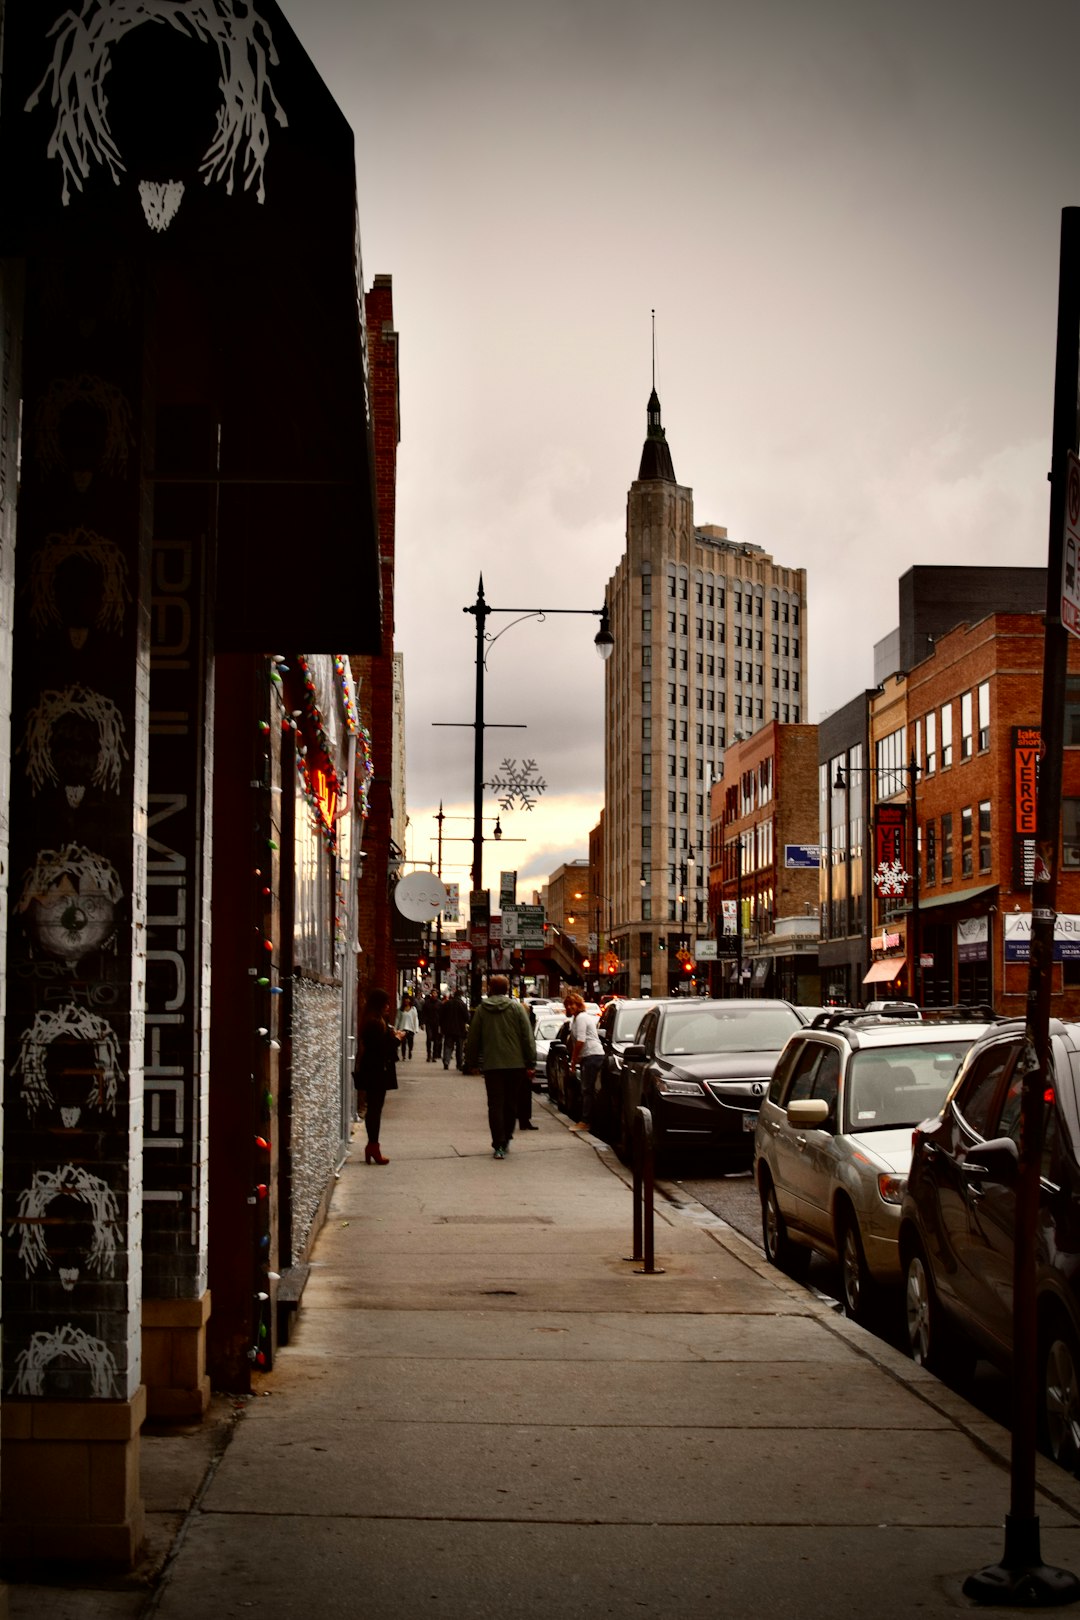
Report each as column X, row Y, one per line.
column 376, row 1066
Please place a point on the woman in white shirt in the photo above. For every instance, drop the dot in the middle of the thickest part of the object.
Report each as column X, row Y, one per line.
column 586, row 1054
column 408, row 1022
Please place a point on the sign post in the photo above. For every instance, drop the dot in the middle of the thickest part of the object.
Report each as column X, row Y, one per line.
column 1021, row 1577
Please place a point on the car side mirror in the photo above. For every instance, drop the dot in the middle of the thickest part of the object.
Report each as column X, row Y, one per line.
column 808, row 1113
column 998, row 1160
column 634, row 1054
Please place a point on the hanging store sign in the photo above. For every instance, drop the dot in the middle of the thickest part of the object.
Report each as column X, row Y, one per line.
column 891, row 877
column 1027, row 751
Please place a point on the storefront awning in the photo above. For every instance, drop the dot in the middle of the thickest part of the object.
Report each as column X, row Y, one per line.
column 960, row 897
column 885, row 971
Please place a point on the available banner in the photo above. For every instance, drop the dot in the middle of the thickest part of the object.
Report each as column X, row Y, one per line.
column 1018, row 937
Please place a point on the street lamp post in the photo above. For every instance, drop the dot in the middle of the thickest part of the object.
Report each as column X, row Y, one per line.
column 914, row 944
column 686, row 874
column 604, row 641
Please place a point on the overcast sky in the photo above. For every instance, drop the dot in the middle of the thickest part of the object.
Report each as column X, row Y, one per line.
column 846, row 215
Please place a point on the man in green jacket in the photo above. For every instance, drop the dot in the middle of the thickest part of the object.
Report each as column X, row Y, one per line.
column 500, row 1043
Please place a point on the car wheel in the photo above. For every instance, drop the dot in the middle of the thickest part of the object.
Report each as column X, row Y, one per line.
column 780, row 1251
column 1059, row 1395
column 932, row 1342
column 856, row 1283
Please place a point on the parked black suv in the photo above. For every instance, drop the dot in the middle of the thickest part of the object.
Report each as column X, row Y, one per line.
column 958, row 1217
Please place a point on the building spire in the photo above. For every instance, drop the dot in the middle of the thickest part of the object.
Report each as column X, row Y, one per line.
column 655, row 456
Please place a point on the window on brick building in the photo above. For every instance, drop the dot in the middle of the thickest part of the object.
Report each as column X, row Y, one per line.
column 984, row 715
column 986, row 852
column 1072, row 711
column 946, row 736
column 946, row 848
column 646, row 725
column 646, row 620
column 966, row 852
column 646, row 801
column 646, row 691
column 646, row 655
column 931, row 744
column 1070, row 833
column 967, row 735
column 931, row 852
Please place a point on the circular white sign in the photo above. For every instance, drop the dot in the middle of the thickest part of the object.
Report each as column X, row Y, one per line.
column 420, row 896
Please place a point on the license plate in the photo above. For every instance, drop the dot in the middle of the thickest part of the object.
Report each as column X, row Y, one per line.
column 749, row 1121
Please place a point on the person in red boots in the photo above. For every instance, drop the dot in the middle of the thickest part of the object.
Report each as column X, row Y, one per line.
column 376, row 1066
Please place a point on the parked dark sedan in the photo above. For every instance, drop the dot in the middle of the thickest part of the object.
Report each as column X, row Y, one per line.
column 618, row 1027
column 702, row 1068
column 958, row 1216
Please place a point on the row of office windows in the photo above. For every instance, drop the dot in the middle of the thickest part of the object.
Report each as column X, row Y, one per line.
column 716, row 631
column 975, row 843
column 706, row 595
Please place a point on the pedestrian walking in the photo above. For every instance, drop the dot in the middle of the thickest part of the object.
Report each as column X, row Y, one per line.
column 376, row 1067
column 586, row 1054
column 453, row 1027
column 408, row 1023
column 500, row 1044
column 429, row 1023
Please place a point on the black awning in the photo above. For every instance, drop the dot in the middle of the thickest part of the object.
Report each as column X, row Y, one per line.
column 211, row 162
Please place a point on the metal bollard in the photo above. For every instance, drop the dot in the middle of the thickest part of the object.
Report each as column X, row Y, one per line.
column 644, row 1182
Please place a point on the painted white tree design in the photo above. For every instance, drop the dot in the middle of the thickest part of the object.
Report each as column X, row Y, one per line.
column 79, row 545
column 29, row 1225
column 70, row 1344
column 81, row 703
column 75, row 1023
column 75, row 85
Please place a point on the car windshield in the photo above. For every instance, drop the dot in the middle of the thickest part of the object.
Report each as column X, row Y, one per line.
column 726, row 1028
column 547, row 1029
column 898, row 1086
column 626, row 1023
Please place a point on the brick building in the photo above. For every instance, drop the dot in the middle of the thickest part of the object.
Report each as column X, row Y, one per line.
column 967, row 718
column 379, row 678
column 763, row 871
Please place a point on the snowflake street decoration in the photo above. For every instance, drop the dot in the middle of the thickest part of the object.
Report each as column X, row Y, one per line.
column 891, row 880
column 520, row 783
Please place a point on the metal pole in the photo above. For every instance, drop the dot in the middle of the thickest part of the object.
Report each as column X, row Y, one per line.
column 913, row 920
column 738, row 914
column 1021, row 1576
column 440, row 818
column 480, row 609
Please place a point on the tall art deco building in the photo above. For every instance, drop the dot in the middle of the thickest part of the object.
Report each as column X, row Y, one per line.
column 710, row 644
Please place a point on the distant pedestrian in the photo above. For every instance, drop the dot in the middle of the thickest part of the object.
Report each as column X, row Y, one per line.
column 429, row 1023
column 586, row 1057
column 408, row 1022
column 453, row 1026
column 500, row 1044
column 376, row 1067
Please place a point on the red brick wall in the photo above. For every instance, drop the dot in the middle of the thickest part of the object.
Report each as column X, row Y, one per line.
column 375, row 675
column 1007, row 651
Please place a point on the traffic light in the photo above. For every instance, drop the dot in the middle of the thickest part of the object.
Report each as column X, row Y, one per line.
column 421, row 963
column 688, row 967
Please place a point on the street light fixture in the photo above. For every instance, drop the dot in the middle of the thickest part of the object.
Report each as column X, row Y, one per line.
column 911, row 770
column 604, row 642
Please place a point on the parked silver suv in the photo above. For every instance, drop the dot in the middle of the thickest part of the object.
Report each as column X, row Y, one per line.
column 832, row 1146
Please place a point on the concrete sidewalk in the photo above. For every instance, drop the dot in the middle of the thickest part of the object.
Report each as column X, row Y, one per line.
column 484, row 1411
